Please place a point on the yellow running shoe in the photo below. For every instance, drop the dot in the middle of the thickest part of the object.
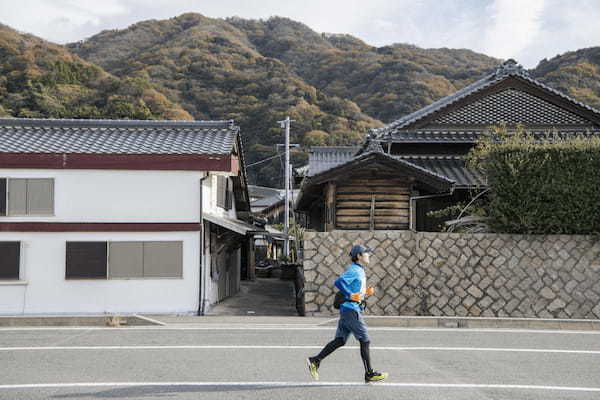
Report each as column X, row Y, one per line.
column 375, row 376
column 313, row 367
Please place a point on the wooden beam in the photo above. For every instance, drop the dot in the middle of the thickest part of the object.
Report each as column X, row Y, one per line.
column 367, row 197
column 330, row 197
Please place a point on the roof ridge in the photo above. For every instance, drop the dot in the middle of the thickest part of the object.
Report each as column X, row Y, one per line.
column 129, row 123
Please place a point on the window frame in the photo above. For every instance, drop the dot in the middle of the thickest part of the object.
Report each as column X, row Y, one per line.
column 107, row 277
column 7, row 211
column 20, row 264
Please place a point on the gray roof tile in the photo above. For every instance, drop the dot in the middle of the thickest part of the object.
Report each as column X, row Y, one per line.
column 507, row 69
column 116, row 136
column 451, row 167
column 322, row 158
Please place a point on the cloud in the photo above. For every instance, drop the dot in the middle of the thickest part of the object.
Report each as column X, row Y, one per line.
column 515, row 25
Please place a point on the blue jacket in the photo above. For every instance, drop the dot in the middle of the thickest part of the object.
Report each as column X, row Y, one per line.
column 353, row 280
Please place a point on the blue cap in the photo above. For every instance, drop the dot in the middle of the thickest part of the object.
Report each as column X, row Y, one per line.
column 359, row 249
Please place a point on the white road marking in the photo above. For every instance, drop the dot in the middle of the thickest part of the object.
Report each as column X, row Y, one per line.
column 303, row 384
column 298, row 328
column 284, row 347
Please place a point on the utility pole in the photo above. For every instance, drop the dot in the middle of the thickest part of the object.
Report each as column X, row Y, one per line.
column 286, row 222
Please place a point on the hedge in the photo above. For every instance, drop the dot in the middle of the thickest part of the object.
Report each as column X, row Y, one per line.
column 549, row 186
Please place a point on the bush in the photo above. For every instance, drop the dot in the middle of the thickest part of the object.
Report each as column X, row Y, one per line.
column 540, row 184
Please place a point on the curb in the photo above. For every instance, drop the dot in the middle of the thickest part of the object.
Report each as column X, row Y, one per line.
column 108, row 320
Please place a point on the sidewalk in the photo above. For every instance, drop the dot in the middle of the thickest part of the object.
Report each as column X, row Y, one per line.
column 257, row 322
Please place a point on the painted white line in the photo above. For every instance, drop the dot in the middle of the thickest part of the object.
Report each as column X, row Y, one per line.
column 304, row 384
column 285, row 347
column 296, row 328
column 154, row 321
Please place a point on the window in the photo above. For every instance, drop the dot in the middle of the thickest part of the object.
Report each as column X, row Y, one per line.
column 3, row 196
column 26, row 196
column 86, row 260
column 224, row 192
column 108, row 260
column 10, row 257
column 126, row 259
column 163, row 259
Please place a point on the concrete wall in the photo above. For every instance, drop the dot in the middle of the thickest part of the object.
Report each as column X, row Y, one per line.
column 43, row 289
column 444, row 274
column 109, row 196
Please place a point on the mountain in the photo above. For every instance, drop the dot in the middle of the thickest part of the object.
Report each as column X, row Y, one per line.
column 386, row 82
column 576, row 73
column 42, row 79
column 255, row 72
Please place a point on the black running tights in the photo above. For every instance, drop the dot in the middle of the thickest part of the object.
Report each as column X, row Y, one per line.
column 339, row 342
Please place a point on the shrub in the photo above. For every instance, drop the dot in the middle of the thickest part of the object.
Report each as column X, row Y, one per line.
column 542, row 183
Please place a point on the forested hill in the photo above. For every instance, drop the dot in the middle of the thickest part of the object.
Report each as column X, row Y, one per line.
column 256, row 72
column 42, row 79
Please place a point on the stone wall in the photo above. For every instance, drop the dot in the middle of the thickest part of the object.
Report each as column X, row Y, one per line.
column 455, row 274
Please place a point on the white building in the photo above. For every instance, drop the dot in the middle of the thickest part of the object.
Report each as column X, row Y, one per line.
column 121, row 216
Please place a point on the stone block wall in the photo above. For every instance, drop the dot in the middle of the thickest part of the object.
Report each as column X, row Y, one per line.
column 456, row 274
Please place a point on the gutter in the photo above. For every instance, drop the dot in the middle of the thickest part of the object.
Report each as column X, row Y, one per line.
column 202, row 299
column 412, row 205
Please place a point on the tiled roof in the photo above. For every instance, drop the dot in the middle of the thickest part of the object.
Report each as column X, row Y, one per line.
column 116, row 136
column 451, row 167
column 511, row 106
column 322, row 158
column 468, row 136
column 507, row 69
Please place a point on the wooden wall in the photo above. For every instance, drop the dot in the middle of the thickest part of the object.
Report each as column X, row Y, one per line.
column 370, row 204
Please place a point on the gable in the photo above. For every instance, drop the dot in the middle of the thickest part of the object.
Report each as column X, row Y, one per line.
column 512, row 106
column 508, row 95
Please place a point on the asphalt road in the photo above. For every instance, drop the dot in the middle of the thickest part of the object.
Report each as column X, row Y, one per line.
column 250, row 362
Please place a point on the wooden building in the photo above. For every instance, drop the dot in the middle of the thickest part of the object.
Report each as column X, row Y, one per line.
column 417, row 163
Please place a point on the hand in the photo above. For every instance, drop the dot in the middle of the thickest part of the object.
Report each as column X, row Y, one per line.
column 370, row 291
column 355, row 297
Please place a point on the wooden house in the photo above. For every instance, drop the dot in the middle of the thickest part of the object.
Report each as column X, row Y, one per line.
column 417, row 163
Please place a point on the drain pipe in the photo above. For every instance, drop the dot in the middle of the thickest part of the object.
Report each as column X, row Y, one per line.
column 412, row 203
column 202, row 284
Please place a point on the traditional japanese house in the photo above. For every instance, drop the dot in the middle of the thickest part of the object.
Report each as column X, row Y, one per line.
column 417, row 163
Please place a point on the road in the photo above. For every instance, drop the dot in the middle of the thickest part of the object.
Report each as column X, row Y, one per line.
column 248, row 361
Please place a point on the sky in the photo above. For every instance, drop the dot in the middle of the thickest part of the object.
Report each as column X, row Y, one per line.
column 526, row 30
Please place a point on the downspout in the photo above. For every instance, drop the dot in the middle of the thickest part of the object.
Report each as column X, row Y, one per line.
column 412, row 204
column 202, row 287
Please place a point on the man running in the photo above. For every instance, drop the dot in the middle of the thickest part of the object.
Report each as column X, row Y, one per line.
column 353, row 284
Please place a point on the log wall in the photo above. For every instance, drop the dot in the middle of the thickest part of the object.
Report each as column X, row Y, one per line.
column 372, row 204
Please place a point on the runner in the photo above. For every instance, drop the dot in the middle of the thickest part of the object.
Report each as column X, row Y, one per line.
column 352, row 283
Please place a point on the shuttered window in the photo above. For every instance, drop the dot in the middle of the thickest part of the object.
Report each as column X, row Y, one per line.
column 163, row 259
column 126, row 259
column 87, row 260
column 17, row 197
column 221, row 191
column 10, row 257
column 145, row 259
column 228, row 195
column 40, row 196
column 27, row 196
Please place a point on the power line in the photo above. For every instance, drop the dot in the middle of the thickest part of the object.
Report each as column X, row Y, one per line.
column 262, row 161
